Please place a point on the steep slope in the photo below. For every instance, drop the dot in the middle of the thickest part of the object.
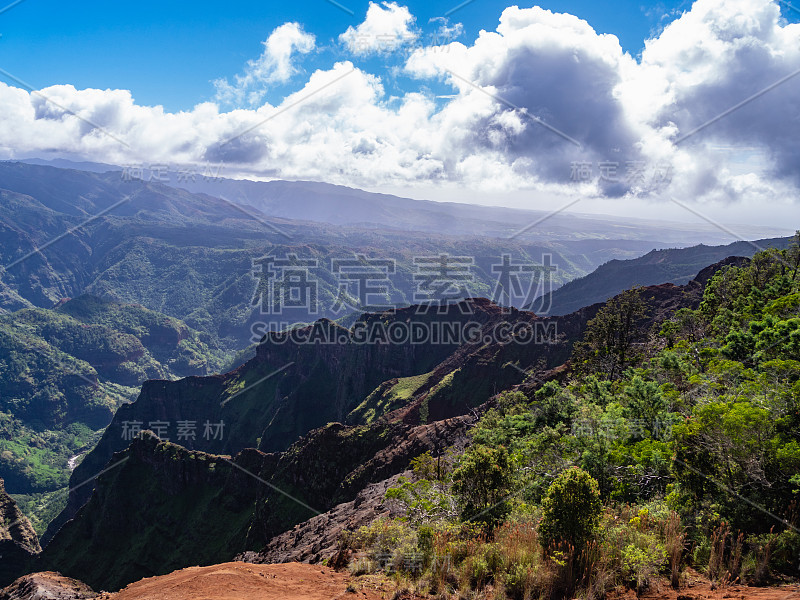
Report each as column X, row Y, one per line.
column 324, row 372
column 317, row 539
column 674, row 265
column 18, row 541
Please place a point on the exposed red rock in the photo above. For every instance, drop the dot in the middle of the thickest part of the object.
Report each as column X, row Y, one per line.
column 47, row 586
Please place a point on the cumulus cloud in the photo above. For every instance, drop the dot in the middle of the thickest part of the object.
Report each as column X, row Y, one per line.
column 387, row 27
column 275, row 65
column 725, row 73
column 520, row 94
column 553, row 79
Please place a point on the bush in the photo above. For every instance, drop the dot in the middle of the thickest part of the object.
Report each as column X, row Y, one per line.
column 518, row 581
column 570, row 509
column 482, row 483
column 641, row 565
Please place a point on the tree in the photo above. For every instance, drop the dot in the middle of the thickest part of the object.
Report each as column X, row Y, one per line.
column 554, row 405
column 570, row 509
column 482, row 483
column 608, row 345
column 646, row 404
column 793, row 254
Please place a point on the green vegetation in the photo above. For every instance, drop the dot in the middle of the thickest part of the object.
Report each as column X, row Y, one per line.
column 481, row 483
column 610, row 346
column 674, row 443
column 63, row 373
column 203, row 504
column 43, row 507
column 387, row 397
column 570, row 509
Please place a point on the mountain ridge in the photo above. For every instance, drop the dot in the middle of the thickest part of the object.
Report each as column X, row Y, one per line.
column 342, row 205
column 670, row 265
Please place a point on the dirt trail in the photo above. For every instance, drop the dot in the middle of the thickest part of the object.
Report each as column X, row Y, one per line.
column 240, row 581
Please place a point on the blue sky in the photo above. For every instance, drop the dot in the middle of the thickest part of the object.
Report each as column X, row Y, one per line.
column 169, row 53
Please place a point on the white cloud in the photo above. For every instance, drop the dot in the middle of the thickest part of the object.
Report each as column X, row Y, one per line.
column 275, row 65
column 553, row 67
column 713, row 58
column 387, row 27
column 446, row 32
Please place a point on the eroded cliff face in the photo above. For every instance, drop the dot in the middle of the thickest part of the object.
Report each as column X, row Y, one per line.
column 158, row 507
column 318, row 538
column 18, row 541
column 294, row 384
column 47, row 586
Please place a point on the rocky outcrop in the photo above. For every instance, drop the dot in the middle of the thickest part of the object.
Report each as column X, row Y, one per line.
column 47, row 586
column 18, row 541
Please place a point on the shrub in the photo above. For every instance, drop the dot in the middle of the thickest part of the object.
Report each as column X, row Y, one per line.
column 518, row 581
column 641, row 565
column 570, row 509
column 482, row 483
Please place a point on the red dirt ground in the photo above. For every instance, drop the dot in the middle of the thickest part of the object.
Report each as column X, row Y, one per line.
column 295, row 581
column 240, row 581
column 697, row 587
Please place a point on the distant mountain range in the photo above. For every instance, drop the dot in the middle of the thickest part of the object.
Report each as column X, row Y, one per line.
column 673, row 265
column 344, row 206
column 64, row 233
